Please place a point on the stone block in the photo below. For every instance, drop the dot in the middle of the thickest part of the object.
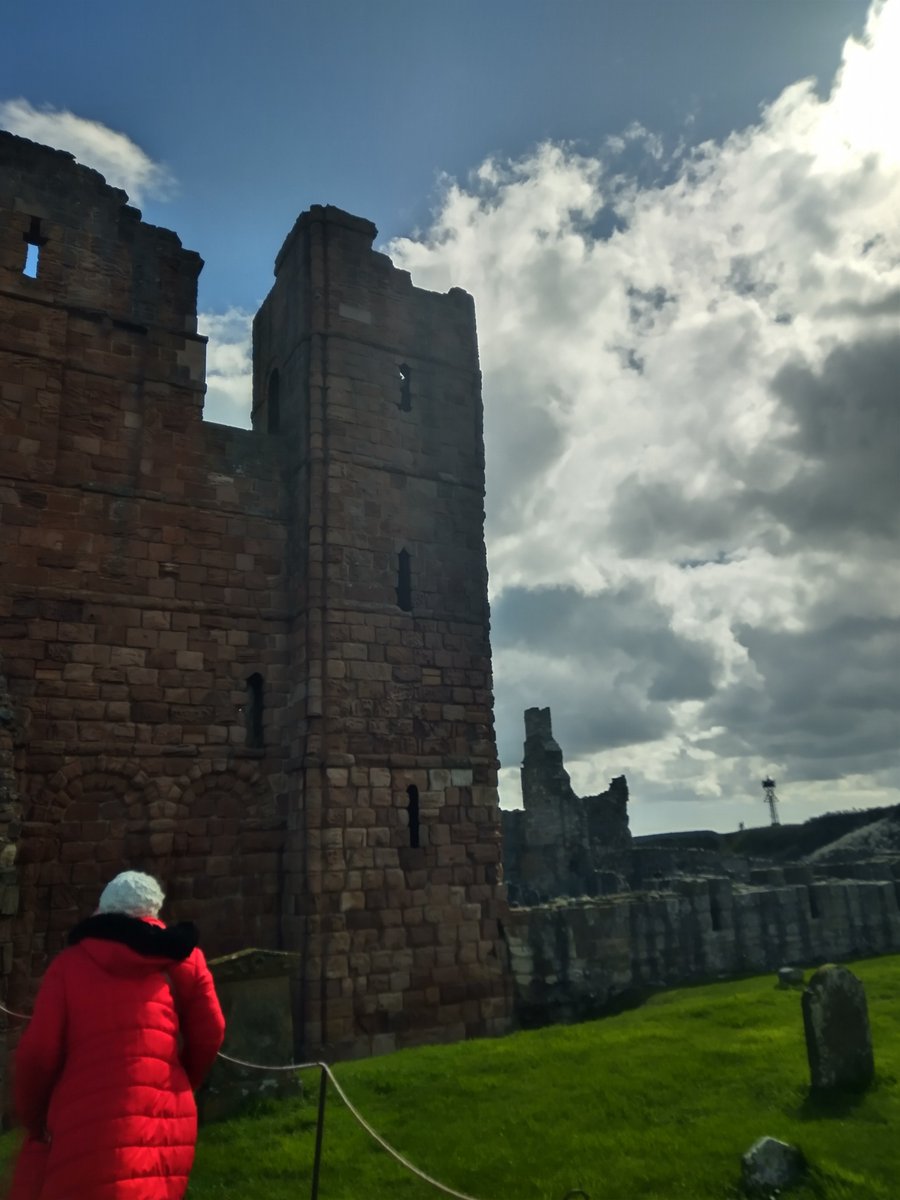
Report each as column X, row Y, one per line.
column 189, row 660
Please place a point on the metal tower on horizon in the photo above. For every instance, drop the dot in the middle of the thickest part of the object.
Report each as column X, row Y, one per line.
column 768, row 785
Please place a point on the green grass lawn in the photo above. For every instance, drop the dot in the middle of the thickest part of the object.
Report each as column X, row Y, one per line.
column 657, row 1103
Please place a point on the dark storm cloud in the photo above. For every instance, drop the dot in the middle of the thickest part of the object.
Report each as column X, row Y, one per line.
column 608, row 665
column 847, row 430
column 885, row 306
column 826, row 700
column 649, row 517
column 845, row 438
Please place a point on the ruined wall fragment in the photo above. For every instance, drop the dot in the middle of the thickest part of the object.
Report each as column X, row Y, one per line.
column 560, row 844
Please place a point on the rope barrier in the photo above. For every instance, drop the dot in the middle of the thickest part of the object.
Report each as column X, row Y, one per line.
column 9, row 1012
column 358, row 1117
column 241, row 1062
column 441, row 1187
column 351, row 1108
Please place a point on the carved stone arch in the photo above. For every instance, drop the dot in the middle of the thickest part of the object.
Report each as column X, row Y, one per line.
column 72, row 843
column 227, row 878
column 71, row 780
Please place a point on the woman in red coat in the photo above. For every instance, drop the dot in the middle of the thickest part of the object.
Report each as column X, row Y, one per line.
column 125, row 1027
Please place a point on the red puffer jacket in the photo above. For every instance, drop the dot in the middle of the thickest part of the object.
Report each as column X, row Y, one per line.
column 125, row 1025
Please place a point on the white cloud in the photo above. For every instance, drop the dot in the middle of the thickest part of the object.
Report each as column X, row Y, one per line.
column 690, row 391
column 229, row 366
column 122, row 163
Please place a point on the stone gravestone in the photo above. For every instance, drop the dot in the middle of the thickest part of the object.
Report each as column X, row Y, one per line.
column 836, row 1024
column 254, row 989
column 790, row 977
column 769, row 1166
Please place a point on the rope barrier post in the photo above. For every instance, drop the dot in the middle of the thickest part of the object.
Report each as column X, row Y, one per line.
column 320, row 1130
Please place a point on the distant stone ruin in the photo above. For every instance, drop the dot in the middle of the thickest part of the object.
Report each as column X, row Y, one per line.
column 598, row 917
column 561, row 844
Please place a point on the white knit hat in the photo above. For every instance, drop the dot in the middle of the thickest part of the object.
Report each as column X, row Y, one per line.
column 132, row 893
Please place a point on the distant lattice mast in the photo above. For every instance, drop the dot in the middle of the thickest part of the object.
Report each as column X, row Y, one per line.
column 768, row 786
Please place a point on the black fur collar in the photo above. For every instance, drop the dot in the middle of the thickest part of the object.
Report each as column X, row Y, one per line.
column 175, row 942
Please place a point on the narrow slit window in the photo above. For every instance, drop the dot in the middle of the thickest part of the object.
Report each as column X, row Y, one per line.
column 33, row 243
column 404, row 581
column 715, row 912
column 412, row 809
column 273, row 403
column 32, row 258
column 405, row 395
column 813, row 904
column 253, row 712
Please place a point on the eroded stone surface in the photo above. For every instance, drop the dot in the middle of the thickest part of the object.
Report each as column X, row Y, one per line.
column 571, row 958
column 562, row 844
column 769, row 1166
column 838, row 1036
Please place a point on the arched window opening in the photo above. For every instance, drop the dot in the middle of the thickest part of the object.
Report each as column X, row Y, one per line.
column 253, row 712
column 405, row 395
column 413, row 811
column 273, row 403
column 404, row 581
column 33, row 243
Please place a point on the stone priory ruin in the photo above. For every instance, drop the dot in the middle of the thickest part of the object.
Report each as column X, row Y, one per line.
column 254, row 663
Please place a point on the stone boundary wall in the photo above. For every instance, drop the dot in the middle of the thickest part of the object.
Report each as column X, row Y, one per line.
column 572, row 960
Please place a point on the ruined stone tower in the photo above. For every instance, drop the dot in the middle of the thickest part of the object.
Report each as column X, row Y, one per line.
column 253, row 662
column 391, row 876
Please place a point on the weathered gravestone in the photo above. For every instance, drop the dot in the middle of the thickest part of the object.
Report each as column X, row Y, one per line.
column 255, row 990
column 836, row 1024
column 769, row 1166
column 790, row 976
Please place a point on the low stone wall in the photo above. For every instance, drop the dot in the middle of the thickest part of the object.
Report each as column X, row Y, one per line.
column 574, row 959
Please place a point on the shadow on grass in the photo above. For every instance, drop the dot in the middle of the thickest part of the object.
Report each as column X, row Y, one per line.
column 825, row 1105
column 818, row 1106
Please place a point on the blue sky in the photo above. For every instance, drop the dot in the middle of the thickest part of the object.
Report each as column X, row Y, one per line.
column 680, row 220
column 261, row 109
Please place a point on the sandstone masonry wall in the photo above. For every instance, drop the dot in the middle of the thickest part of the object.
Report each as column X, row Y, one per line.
column 226, row 674
column 10, row 827
column 142, row 583
column 392, row 876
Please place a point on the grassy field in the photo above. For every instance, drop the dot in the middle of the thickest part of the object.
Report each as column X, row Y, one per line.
column 657, row 1103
